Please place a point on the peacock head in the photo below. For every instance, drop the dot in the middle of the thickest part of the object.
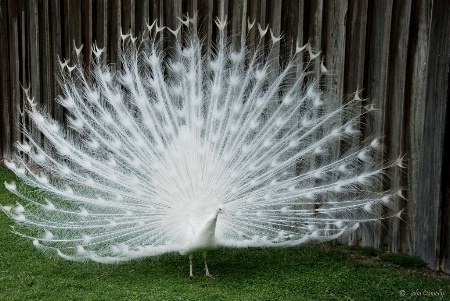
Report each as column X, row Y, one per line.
column 221, row 209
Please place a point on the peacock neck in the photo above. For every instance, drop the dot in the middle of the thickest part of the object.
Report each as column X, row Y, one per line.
column 205, row 238
column 210, row 223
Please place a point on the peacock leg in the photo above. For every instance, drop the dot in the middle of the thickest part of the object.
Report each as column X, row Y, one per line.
column 191, row 275
column 207, row 274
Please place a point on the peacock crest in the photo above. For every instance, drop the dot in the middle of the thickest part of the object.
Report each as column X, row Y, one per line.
column 187, row 150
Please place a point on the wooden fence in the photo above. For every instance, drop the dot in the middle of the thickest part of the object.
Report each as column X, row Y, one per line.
column 396, row 51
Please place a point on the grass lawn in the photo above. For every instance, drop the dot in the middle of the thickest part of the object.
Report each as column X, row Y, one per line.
column 311, row 272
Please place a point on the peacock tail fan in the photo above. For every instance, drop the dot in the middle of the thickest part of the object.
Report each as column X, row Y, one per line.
column 154, row 145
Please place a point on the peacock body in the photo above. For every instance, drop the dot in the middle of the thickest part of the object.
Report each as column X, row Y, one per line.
column 158, row 148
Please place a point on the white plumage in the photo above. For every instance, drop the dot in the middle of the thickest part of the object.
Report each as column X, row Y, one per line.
column 158, row 147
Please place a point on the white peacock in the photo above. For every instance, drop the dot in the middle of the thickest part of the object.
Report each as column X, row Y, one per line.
column 156, row 150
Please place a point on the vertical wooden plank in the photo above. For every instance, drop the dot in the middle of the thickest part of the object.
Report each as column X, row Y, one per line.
column 46, row 65
column 14, row 75
column 34, row 56
column 56, row 32
column 333, row 57
column 238, row 20
column 116, row 28
column 257, row 15
column 418, row 70
column 377, row 56
column 355, row 48
column 290, row 18
column 86, row 37
column 205, row 10
column 161, row 20
column 301, row 39
column 132, row 16
column 334, row 36
column 74, row 30
column 222, row 14
column 5, row 105
column 243, row 30
column 154, row 10
column 223, row 10
column 101, row 24
column 262, row 13
column 262, row 19
column 314, row 26
column 66, row 29
column 313, row 29
column 445, row 237
column 126, row 20
column 274, row 15
column 429, row 206
column 395, row 108
column 24, row 63
column 2, row 129
column 142, row 15
column 292, row 32
column 274, row 21
column 173, row 11
column 127, row 16
column 156, row 14
column 254, row 18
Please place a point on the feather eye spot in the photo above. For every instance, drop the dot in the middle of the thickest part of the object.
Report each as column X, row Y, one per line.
column 234, row 80
column 48, row 235
column 188, row 52
column 237, row 57
column 11, row 186
column 153, row 60
column 80, row 250
column 260, row 75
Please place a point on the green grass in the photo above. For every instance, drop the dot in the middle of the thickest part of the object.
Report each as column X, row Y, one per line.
column 311, row 272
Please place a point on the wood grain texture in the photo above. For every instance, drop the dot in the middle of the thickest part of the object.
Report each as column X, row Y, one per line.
column 430, row 203
column 377, row 62
column 445, row 233
column 47, row 73
column 56, row 51
column 102, row 12
column 115, row 29
column 14, row 74
column 377, row 58
column 395, row 52
column 35, row 65
column 5, row 110
column 314, row 27
column 395, row 105
column 418, row 71
column 356, row 26
column 238, row 13
column 206, row 15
